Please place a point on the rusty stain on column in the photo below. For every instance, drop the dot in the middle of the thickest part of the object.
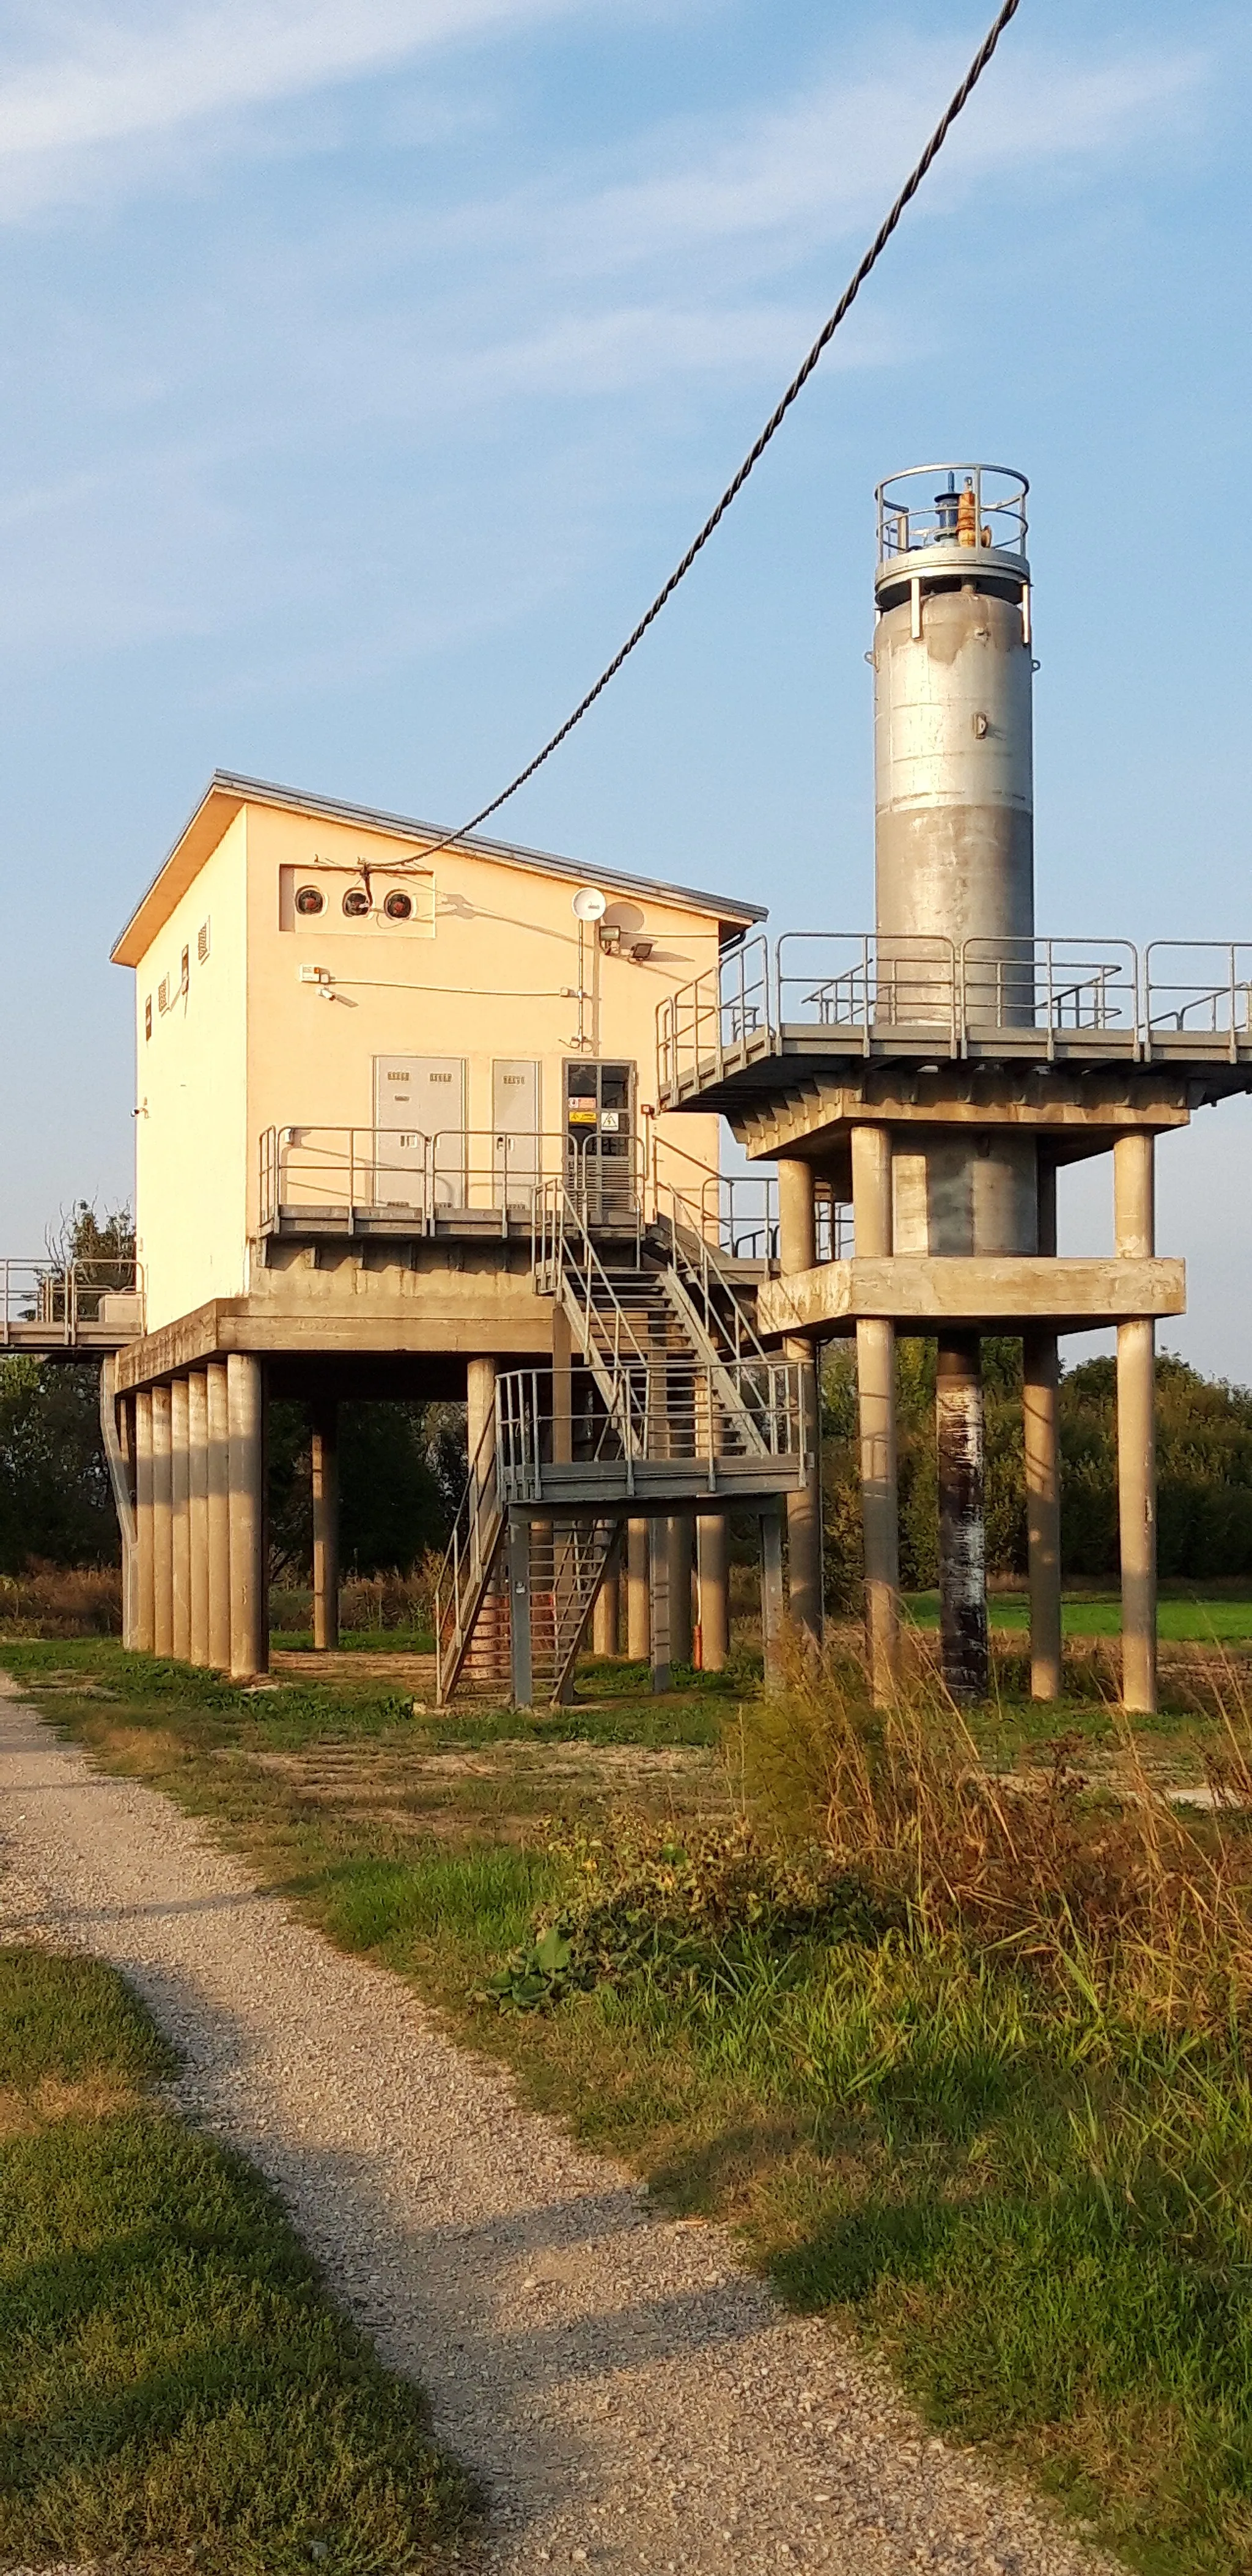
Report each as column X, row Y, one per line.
column 1134, row 1216
column 962, row 1531
column 797, row 1250
column 876, row 1399
column 198, row 1511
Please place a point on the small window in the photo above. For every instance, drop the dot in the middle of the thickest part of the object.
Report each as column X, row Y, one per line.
column 398, row 906
column 202, row 942
column 310, row 899
column 355, row 902
column 163, row 994
column 184, row 972
column 147, row 1017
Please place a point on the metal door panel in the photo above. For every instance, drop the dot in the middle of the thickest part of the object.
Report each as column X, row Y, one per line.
column 515, row 1130
column 419, row 1112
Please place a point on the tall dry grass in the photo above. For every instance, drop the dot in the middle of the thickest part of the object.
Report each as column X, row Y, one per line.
column 61, row 1601
column 1071, row 1868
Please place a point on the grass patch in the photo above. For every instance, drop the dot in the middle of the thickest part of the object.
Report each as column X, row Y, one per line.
column 173, row 2379
column 980, row 2090
column 1194, row 1619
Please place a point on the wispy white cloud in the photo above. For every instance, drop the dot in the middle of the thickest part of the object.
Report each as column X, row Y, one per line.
column 139, row 74
column 818, row 165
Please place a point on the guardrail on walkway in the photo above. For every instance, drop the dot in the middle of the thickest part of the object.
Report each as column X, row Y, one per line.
column 900, row 993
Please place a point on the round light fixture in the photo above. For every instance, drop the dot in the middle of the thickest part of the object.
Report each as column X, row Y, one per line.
column 589, row 904
column 310, row 899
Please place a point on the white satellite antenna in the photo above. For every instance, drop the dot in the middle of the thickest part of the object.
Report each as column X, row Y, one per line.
column 589, row 904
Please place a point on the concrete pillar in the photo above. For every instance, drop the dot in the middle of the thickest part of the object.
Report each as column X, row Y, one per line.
column 659, row 1606
column 713, row 1570
column 198, row 1510
column 773, row 1609
column 249, row 1616
column 638, row 1618
column 876, row 1397
column 324, row 1460
column 1134, row 1214
column 962, row 1528
column 117, row 1432
column 218, row 1516
column 680, row 1535
column 1041, row 1378
column 797, row 1250
column 606, row 1616
column 162, row 1549
column 145, row 1605
column 562, row 1389
column 480, row 1411
column 180, row 1517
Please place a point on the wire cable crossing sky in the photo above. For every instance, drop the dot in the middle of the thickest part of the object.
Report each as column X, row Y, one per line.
column 773, row 424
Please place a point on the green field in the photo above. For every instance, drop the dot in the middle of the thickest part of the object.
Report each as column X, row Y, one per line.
column 1198, row 1621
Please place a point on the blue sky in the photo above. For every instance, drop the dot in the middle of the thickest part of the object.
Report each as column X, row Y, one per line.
column 366, row 369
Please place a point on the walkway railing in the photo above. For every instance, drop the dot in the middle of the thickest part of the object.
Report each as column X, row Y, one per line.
column 347, row 1176
column 667, row 1415
column 46, row 1304
column 905, row 994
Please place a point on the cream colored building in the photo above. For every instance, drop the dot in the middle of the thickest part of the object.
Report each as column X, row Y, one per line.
column 325, row 1018
column 366, row 1062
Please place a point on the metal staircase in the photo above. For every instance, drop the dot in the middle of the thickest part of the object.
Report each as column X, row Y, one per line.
column 666, row 1399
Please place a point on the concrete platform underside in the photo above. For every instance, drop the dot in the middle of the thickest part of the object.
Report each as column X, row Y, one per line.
column 987, row 1291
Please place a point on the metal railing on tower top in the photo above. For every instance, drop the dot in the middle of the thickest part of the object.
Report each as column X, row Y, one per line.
column 901, row 994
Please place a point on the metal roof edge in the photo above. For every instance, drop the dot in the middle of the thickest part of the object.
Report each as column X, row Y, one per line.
column 231, row 784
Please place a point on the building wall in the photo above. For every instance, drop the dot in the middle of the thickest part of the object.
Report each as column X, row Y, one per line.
column 487, row 969
column 191, row 1131
column 497, row 980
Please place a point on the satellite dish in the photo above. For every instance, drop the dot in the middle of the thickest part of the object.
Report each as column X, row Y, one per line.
column 589, row 904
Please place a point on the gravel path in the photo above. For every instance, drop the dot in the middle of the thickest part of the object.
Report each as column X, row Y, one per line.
column 628, row 2397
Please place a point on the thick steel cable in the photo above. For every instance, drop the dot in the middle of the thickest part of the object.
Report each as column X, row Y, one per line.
column 772, row 425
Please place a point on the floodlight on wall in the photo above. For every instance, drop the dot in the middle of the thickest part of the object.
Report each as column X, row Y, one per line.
column 320, row 975
column 589, row 904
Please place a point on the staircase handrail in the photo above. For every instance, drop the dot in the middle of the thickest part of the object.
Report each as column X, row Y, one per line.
column 691, row 1246
column 466, row 1560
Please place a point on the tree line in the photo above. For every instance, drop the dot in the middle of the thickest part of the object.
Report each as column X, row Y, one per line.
column 1204, row 1468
